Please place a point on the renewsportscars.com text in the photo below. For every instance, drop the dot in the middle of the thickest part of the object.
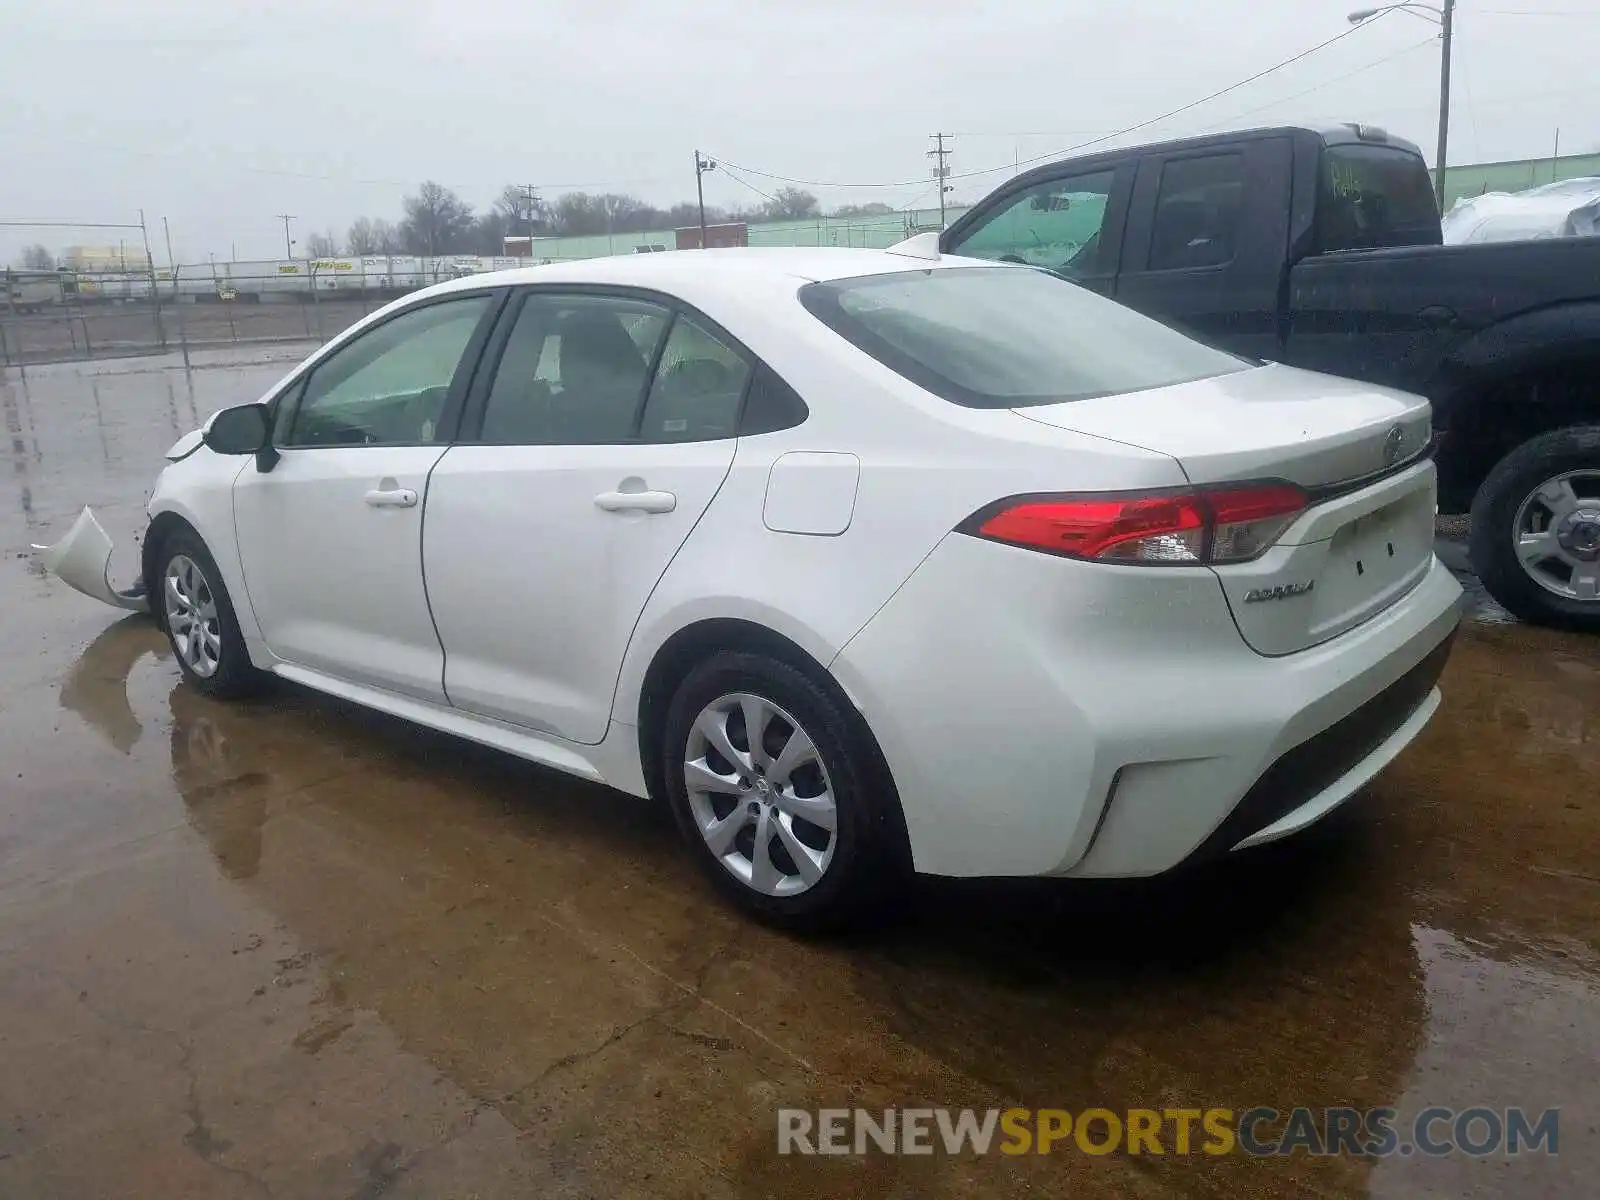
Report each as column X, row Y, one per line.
column 1374, row 1133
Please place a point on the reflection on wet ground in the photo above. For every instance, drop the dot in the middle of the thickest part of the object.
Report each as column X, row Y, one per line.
column 290, row 948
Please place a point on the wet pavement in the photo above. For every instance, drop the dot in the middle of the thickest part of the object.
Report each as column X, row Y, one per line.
column 291, row 949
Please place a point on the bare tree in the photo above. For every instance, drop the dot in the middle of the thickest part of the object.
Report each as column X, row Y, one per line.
column 489, row 232
column 437, row 221
column 372, row 236
column 322, row 245
column 874, row 209
column 525, row 212
column 791, row 204
column 37, row 258
column 687, row 213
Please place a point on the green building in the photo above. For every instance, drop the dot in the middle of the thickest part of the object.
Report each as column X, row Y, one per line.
column 1478, row 178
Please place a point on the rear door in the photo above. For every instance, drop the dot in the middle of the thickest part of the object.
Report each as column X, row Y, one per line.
column 1207, row 238
column 604, row 431
column 1070, row 224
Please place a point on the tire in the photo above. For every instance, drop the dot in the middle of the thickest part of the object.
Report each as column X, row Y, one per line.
column 221, row 666
column 1508, row 502
column 864, row 863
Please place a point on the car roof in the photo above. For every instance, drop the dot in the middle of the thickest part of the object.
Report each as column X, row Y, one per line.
column 725, row 272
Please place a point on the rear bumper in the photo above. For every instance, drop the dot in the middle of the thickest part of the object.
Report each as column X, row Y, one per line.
column 1311, row 780
column 1043, row 716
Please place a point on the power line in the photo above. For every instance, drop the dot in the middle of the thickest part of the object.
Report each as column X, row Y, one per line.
column 817, row 182
column 1018, row 163
column 1526, row 12
column 724, row 166
column 1183, row 108
column 65, row 225
column 1325, row 84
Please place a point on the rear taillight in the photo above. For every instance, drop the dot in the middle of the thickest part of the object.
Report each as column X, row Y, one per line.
column 1206, row 526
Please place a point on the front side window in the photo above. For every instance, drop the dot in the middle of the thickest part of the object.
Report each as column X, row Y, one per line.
column 1369, row 197
column 1056, row 225
column 1008, row 336
column 1198, row 208
column 388, row 385
column 574, row 371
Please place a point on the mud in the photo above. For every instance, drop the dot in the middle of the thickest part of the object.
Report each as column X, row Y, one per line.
column 290, row 949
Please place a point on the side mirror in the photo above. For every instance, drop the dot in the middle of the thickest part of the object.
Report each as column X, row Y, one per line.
column 244, row 430
column 241, row 430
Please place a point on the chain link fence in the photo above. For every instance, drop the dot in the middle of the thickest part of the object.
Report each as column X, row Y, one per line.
column 62, row 316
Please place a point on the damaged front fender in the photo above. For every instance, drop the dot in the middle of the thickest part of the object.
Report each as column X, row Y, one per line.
column 82, row 560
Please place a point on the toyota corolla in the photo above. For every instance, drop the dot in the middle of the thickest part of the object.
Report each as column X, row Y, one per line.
column 864, row 562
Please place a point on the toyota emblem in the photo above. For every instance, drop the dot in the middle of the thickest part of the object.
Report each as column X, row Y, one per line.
column 1393, row 443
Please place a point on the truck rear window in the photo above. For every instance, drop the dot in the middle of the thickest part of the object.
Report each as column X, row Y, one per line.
column 1008, row 336
column 1374, row 196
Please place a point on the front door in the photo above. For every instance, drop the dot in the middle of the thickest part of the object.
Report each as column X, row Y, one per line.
column 331, row 535
column 545, row 538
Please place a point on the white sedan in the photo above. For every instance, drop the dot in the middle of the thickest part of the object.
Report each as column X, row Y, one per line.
column 865, row 562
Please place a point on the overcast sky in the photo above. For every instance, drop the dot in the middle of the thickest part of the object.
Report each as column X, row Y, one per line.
column 331, row 109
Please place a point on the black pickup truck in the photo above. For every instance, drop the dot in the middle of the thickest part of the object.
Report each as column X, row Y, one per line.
column 1321, row 248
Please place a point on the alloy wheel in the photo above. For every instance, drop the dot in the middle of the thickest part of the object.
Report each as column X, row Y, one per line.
column 192, row 617
column 1557, row 532
column 760, row 795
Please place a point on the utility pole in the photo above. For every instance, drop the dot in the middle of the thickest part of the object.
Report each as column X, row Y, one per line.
column 288, row 246
column 1447, row 25
column 531, row 195
column 701, row 166
column 941, row 170
column 1443, row 15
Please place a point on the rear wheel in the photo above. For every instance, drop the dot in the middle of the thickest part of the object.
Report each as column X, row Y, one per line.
column 200, row 621
column 780, row 793
column 1536, row 530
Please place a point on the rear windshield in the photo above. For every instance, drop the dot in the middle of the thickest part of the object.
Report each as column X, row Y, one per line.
column 1008, row 336
column 1375, row 196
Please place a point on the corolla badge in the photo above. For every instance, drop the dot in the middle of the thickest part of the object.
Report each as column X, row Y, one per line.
column 1286, row 591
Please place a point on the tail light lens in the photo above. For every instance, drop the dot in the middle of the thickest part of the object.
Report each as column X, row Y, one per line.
column 1208, row 526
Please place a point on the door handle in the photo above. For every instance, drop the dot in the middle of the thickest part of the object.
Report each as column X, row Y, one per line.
column 648, row 502
column 392, row 498
column 1439, row 316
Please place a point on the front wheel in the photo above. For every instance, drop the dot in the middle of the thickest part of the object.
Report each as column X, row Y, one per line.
column 1536, row 530
column 198, row 614
column 781, row 794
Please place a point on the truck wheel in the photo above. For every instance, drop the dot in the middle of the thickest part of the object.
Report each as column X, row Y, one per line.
column 1536, row 530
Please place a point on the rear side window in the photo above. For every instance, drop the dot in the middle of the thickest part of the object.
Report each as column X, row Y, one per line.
column 1008, row 336
column 1197, row 212
column 1369, row 197
column 697, row 389
column 574, row 371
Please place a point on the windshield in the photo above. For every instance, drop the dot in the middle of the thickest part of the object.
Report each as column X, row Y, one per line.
column 1008, row 336
column 1375, row 196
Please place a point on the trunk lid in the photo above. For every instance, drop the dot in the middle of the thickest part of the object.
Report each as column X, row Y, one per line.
column 1367, row 537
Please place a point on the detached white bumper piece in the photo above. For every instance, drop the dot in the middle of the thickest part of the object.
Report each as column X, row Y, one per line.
column 82, row 560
